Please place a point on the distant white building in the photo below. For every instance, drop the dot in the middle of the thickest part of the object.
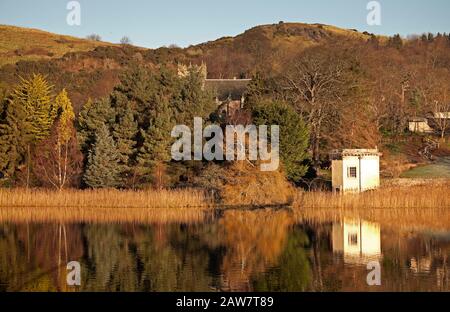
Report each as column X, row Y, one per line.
column 442, row 115
column 355, row 170
column 419, row 125
column 435, row 122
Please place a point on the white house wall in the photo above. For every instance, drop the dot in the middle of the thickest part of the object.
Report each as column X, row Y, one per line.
column 367, row 173
column 370, row 173
column 350, row 184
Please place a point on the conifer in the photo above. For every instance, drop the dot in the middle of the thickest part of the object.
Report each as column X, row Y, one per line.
column 102, row 169
column 14, row 137
column 124, row 135
column 34, row 95
column 155, row 150
column 93, row 116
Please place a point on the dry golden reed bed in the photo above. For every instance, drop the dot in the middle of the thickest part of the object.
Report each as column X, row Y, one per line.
column 102, row 215
column 388, row 205
column 166, row 206
column 424, row 196
column 185, row 198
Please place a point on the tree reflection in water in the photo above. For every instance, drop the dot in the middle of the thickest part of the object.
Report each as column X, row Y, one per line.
column 260, row 250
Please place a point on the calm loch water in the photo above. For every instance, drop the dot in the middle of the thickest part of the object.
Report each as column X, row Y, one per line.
column 235, row 250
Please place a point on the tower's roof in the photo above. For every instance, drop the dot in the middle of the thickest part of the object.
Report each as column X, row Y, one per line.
column 338, row 154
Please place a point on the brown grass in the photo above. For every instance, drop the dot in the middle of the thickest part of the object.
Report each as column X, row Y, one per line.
column 26, row 44
column 186, row 198
column 103, row 215
column 180, row 206
column 410, row 219
column 421, row 196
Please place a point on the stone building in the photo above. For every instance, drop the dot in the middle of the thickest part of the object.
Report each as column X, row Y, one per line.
column 230, row 93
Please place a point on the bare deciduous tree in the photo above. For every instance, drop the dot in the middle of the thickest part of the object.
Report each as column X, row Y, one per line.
column 314, row 84
column 441, row 117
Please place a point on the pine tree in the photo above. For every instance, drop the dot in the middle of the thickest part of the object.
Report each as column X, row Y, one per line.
column 258, row 88
column 154, row 154
column 190, row 99
column 124, row 134
column 136, row 90
column 33, row 113
column 103, row 162
column 92, row 117
column 35, row 96
column 14, row 138
column 294, row 135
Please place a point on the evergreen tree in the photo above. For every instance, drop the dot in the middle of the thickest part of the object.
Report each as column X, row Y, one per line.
column 124, row 134
column 154, row 154
column 260, row 87
column 294, row 135
column 30, row 116
column 191, row 100
column 34, row 96
column 92, row 117
column 136, row 90
column 102, row 169
column 14, row 138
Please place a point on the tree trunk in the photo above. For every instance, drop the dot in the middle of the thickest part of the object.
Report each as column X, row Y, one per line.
column 28, row 165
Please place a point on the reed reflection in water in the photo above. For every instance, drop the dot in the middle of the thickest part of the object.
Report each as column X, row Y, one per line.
column 235, row 250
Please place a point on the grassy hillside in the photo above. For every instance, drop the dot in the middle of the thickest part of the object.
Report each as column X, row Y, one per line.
column 266, row 47
column 18, row 44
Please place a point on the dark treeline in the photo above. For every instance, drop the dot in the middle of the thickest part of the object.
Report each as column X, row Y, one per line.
column 118, row 141
column 124, row 140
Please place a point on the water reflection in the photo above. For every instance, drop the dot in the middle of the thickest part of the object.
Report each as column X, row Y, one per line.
column 263, row 250
column 358, row 240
